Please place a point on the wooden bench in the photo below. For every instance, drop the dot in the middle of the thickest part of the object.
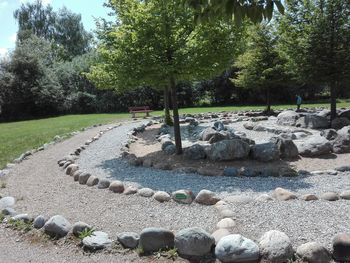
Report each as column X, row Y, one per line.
column 139, row 109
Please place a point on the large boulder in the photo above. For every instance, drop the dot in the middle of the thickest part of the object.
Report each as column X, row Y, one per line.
column 286, row 147
column 314, row 146
column 339, row 123
column 57, row 226
column 236, row 248
column 276, row 247
column 208, row 133
column 193, row 242
column 218, row 137
column 329, row 134
column 265, row 152
column 345, row 114
column 341, row 144
column 313, row 121
column 287, row 118
column 228, row 150
column 313, row 252
column 153, row 239
column 195, row 152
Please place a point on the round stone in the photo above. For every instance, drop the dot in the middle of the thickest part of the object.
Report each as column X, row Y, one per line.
column 146, row 192
column 103, row 183
column 309, row 197
column 283, row 194
column 93, row 180
column 71, row 169
column 84, row 177
column 57, row 226
column 313, row 252
column 39, row 222
column 116, row 187
column 329, row 196
column 129, row 239
column 130, row 190
column 7, row 201
column 206, row 197
column 162, row 196
column 220, row 233
column 227, row 223
column 183, row 196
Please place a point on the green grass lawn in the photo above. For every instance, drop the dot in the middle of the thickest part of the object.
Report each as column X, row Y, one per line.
column 18, row 137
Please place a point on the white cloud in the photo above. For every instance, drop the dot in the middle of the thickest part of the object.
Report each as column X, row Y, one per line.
column 3, row 52
column 13, row 38
column 45, row 2
column 3, row 4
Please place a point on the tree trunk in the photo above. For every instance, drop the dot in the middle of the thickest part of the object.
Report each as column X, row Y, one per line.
column 177, row 131
column 167, row 117
column 333, row 102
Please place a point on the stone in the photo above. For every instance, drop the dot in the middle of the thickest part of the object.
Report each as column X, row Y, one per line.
column 93, row 180
column 170, row 149
column 329, row 134
column 226, row 213
column 249, row 125
column 79, row 227
column 265, row 152
column 153, row 239
column 219, row 126
column 7, row 201
column 8, row 211
column 71, row 169
column 227, row 223
column 341, row 247
column 313, row 252
column 116, row 187
column 276, row 247
column 288, row 118
column 329, row 196
column 195, row 152
column 98, row 240
column 341, row 143
column 146, row 192
column 166, row 143
column 339, row 123
column 236, row 249
column 128, row 239
column 76, row 175
column 345, row 168
column 309, row 197
column 282, row 194
column 193, row 242
column 220, row 233
column 206, row 197
column 345, row 195
column 22, row 217
column 162, row 196
column 286, row 147
column 345, row 114
column 57, row 226
column 238, row 199
column 183, row 196
column 217, row 137
column 207, row 134
column 130, row 190
column 103, row 183
column 287, row 172
column 228, row 150
column 162, row 166
column 312, row 121
column 314, row 146
column 84, row 177
column 231, row 172
column 263, row 198
column 39, row 222
column 67, row 163
column 324, row 113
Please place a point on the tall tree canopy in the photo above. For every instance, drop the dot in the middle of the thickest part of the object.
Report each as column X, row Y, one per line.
column 156, row 43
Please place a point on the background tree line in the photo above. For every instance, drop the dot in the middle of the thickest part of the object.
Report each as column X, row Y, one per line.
column 304, row 51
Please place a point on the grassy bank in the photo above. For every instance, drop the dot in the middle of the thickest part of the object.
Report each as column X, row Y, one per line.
column 18, row 137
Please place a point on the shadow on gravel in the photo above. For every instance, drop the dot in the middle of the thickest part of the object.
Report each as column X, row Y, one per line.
column 119, row 169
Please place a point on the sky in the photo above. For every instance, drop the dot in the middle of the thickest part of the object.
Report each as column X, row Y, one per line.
column 8, row 26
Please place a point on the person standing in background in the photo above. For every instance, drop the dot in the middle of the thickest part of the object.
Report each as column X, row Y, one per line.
column 299, row 101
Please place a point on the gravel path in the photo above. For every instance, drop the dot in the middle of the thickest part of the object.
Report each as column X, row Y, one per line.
column 41, row 187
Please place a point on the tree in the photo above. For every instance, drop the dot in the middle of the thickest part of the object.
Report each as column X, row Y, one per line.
column 315, row 39
column 155, row 43
column 260, row 66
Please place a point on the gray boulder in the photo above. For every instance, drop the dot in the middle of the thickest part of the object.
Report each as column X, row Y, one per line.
column 314, row 146
column 286, row 147
column 146, row 192
column 71, row 169
column 98, row 240
column 8, row 211
column 313, row 252
column 341, row 143
column 265, row 152
column 195, row 152
column 153, row 239
column 276, row 247
column 219, row 126
column 207, row 134
column 165, row 143
column 228, row 150
column 170, row 149
column 345, row 114
column 218, row 137
column 39, row 222
column 194, row 241
column 57, row 226
column 288, row 118
column 313, row 121
column 236, row 248
column 128, row 239
column 116, row 187
column 329, row 134
column 339, row 123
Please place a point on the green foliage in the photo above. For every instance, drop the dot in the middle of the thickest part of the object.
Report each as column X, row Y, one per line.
column 20, row 225
column 86, row 233
column 2, row 217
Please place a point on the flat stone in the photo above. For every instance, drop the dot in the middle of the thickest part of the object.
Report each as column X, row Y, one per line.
column 313, row 252
column 282, row 194
column 236, row 248
column 341, row 247
column 93, row 180
column 276, row 247
column 264, row 198
column 193, row 242
column 22, row 217
column 39, row 222
column 153, row 239
column 146, row 192
column 98, row 240
column 84, row 177
column 344, row 168
column 79, row 227
column 162, row 196
column 7, row 201
column 128, row 239
column 227, row 223
column 309, row 197
column 206, row 197
column 103, row 183
column 116, row 187
column 329, row 196
column 220, row 233
column 183, row 196
column 57, row 226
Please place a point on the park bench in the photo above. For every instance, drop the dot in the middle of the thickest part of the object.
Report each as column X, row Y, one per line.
column 139, row 109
